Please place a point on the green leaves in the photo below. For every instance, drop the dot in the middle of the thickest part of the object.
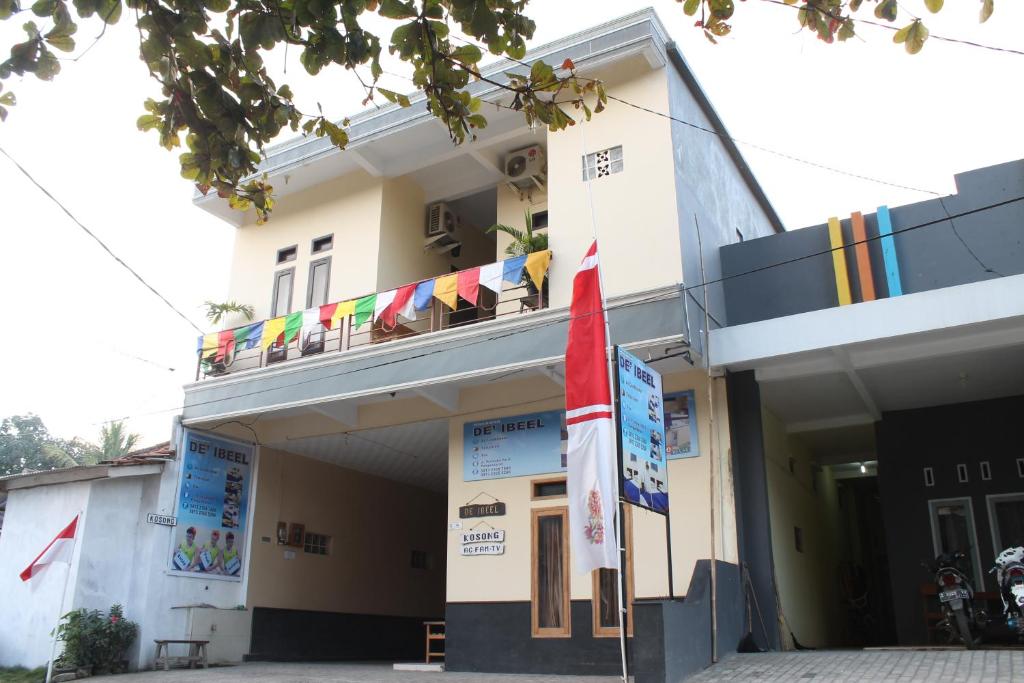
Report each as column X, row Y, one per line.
column 397, row 9
column 7, row 99
column 933, row 5
column 912, row 36
column 394, row 97
column 886, row 9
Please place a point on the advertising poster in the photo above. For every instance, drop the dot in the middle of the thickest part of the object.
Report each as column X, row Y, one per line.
column 642, row 434
column 681, row 425
column 515, row 446
column 212, row 506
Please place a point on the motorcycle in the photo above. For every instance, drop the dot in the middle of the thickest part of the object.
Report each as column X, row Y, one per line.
column 956, row 598
column 1009, row 571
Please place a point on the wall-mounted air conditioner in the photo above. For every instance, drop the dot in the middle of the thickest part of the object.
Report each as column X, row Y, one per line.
column 441, row 220
column 526, row 168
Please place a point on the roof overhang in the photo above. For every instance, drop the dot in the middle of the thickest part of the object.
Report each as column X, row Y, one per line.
column 70, row 475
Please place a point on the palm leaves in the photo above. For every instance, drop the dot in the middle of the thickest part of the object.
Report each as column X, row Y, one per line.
column 215, row 311
column 523, row 241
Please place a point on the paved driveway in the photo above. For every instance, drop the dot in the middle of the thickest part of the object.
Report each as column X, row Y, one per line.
column 909, row 666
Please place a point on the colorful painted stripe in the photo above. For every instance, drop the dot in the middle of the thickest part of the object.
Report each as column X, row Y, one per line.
column 892, row 265
column 864, row 275
column 835, row 238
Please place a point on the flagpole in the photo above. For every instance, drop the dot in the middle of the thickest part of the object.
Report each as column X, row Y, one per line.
column 620, row 527
column 63, row 597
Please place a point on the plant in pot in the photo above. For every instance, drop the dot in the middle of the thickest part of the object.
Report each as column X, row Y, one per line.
column 525, row 242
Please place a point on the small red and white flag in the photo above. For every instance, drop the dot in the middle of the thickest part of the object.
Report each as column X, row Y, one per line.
column 60, row 549
column 588, row 418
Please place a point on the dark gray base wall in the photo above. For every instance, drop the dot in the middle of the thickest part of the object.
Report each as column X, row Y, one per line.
column 672, row 639
column 302, row 635
column 494, row 637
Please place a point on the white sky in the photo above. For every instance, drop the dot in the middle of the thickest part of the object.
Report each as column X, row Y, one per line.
column 88, row 343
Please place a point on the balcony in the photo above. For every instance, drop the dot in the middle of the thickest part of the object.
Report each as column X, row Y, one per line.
column 495, row 291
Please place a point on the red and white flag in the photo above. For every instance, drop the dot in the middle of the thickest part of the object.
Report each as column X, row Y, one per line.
column 588, row 417
column 60, row 549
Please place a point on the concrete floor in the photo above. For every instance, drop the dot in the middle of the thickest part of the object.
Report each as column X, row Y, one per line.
column 912, row 666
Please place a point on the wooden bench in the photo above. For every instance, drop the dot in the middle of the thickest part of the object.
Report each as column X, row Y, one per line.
column 196, row 653
column 435, row 631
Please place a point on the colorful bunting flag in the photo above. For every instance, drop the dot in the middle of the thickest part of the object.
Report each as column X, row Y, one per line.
column 327, row 315
column 382, row 304
column 310, row 325
column 424, row 294
column 272, row 331
column 225, row 344
column 490, row 276
column 364, row 309
column 537, row 266
column 512, row 271
column 469, row 284
column 344, row 308
column 248, row 337
column 404, row 304
column 292, row 325
column 208, row 345
column 446, row 289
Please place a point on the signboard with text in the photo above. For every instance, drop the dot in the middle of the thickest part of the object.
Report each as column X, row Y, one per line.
column 483, row 542
column 214, row 485
column 514, row 446
column 681, row 425
column 644, row 473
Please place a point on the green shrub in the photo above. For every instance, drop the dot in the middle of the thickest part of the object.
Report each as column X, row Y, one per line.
column 94, row 641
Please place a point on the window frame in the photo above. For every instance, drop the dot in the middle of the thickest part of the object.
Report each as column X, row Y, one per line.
column 536, row 631
column 973, row 553
column 294, row 249
column 312, row 244
column 592, row 173
column 275, row 292
column 599, row 631
column 309, row 281
column 326, row 545
column 993, row 521
column 548, row 480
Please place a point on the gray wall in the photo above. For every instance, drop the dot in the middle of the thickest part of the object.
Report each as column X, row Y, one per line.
column 714, row 188
column 980, row 246
column 940, row 438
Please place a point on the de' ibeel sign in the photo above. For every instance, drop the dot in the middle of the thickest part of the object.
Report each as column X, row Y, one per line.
column 214, row 486
column 644, row 473
column 514, row 446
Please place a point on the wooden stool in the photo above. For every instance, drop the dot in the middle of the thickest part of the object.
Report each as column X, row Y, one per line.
column 196, row 653
column 435, row 631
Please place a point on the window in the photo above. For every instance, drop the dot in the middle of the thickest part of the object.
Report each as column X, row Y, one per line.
column 929, row 476
column 986, row 470
column 319, row 281
column 287, row 254
column 549, row 597
column 603, row 163
column 316, row 544
column 281, row 303
column 322, row 244
column 1006, row 517
column 605, row 603
column 953, row 531
column 961, row 473
column 540, row 220
column 547, row 488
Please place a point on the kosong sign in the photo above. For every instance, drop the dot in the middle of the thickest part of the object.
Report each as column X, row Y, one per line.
column 483, row 542
column 214, row 485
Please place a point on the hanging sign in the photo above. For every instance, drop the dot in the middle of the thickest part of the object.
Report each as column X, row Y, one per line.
column 484, row 536
column 496, row 509
column 212, row 504
column 165, row 520
column 484, row 549
column 644, row 467
column 514, row 446
column 681, row 425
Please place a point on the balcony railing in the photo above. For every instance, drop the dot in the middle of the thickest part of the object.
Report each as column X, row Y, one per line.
column 245, row 347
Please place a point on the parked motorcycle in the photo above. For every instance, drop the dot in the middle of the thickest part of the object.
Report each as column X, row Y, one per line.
column 1009, row 571
column 956, row 598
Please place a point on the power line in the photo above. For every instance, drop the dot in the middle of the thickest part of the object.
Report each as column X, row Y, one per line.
column 91, row 234
column 559, row 321
column 725, row 136
column 889, row 27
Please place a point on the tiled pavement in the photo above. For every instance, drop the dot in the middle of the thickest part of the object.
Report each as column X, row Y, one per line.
column 902, row 666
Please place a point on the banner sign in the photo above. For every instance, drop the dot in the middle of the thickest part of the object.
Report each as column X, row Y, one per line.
column 482, row 510
column 213, row 500
column 681, row 425
column 642, row 434
column 515, row 446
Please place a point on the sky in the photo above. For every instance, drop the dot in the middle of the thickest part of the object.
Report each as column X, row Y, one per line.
column 89, row 343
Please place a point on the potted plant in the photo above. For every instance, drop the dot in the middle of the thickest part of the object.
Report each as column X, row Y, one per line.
column 525, row 242
column 214, row 313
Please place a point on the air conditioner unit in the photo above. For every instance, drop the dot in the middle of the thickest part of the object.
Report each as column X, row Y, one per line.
column 441, row 220
column 526, row 168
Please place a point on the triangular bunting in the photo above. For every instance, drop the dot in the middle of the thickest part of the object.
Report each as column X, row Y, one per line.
column 537, row 266
column 225, row 344
column 272, row 331
column 381, row 305
column 446, row 289
column 364, row 309
column 248, row 337
column 327, row 315
column 292, row 325
column 310, row 324
column 404, row 304
column 424, row 295
column 469, row 284
column 208, row 345
column 343, row 309
column 512, row 269
column 490, row 276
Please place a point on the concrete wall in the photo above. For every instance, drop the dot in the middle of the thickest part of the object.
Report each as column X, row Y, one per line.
column 374, row 525
column 807, row 579
column 941, row 438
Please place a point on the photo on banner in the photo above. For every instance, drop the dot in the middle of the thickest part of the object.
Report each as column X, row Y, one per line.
column 514, row 446
column 214, row 485
column 681, row 425
column 642, row 434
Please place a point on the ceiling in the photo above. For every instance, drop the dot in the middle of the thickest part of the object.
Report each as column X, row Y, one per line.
column 415, row 454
